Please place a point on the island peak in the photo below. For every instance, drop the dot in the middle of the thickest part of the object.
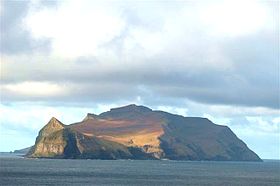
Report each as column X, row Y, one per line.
column 138, row 132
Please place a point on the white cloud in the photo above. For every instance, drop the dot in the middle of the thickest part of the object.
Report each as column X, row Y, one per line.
column 76, row 33
column 34, row 89
column 21, row 122
column 35, row 116
column 196, row 50
column 234, row 18
column 276, row 120
column 263, row 125
column 260, row 133
column 232, row 111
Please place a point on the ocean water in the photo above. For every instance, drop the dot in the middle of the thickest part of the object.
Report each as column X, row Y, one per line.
column 15, row 170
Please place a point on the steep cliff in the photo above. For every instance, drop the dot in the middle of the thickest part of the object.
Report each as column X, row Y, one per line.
column 51, row 140
column 137, row 132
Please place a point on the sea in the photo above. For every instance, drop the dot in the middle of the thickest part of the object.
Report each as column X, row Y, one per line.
column 16, row 170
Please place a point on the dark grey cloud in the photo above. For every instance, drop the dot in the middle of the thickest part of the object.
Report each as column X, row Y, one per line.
column 244, row 71
column 255, row 80
column 153, row 84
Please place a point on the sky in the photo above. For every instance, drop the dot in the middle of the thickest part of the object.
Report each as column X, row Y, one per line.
column 214, row 59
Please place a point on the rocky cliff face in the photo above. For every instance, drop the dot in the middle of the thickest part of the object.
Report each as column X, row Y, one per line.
column 137, row 132
column 51, row 140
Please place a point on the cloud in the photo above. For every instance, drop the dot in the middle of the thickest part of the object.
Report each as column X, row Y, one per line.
column 15, row 38
column 176, row 51
column 260, row 134
column 222, row 17
column 82, row 31
column 26, row 119
column 214, row 59
column 33, row 89
column 259, row 129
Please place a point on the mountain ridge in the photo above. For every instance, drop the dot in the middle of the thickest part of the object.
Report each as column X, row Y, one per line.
column 138, row 132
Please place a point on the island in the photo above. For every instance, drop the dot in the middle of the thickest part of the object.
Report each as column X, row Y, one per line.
column 138, row 132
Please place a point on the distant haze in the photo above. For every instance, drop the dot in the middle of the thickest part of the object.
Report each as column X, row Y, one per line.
column 214, row 59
